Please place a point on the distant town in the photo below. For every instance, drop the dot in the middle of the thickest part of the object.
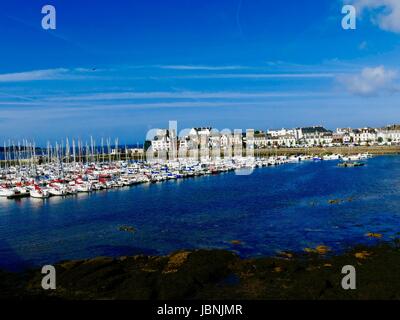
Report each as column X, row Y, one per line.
column 166, row 141
column 315, row 136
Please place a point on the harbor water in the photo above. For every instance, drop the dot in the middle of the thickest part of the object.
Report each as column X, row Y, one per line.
column 288, row 207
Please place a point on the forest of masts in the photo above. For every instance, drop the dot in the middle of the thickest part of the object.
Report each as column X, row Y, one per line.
column 26, row 152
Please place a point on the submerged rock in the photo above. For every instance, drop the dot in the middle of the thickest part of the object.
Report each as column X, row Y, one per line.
column 362, row 255
column 127, row 229
column 322, row 249
column 285, row 254
column 374, row 235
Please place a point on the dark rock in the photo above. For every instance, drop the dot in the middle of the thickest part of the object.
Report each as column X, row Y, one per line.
column 127, row 229
column 214, row 274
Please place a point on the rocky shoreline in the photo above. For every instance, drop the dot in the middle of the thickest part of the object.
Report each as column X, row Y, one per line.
column 217, row 274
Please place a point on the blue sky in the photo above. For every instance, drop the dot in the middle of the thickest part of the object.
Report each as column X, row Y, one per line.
column 122, row 68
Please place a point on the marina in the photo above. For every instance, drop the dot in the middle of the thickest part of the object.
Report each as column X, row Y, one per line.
column 293, row 206
column 59, row 177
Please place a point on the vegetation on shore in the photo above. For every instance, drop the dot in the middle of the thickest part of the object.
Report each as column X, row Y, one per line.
column 218, row 274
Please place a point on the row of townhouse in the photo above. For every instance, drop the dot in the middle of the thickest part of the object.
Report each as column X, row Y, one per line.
column 370, row 136
column 307, row 136
column 319, row 136
column 165, row 139
column 390, row 134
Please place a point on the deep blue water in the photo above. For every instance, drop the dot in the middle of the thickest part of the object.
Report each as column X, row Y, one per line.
column 275, row 208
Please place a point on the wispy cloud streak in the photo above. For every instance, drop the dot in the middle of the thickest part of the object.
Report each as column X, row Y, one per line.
column 45, row 74
column 256, row 76
column 183, row 95
column 201, row 67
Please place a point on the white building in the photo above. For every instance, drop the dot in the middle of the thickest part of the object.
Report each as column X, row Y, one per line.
column 365, row 136
column 315, row 136
column 282, row 137
column 260, row 139
column 281, row 132
column 389, row 134
column 163, row 140
column 287, row 140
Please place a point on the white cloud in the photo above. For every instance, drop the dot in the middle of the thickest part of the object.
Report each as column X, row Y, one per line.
column 202, row 67
column 184, row 95
column 370, row 81
column 255, row 76
column 384, row 13
column 45, row 74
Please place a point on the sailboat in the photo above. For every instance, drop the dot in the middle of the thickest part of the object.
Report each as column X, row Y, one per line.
column 5, row 192
column 39, row 193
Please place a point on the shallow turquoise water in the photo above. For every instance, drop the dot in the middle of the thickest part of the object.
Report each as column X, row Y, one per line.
column 275, row 208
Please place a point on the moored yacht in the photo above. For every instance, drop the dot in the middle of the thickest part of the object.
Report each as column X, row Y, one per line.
column 39, row 193
column 5, row 192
